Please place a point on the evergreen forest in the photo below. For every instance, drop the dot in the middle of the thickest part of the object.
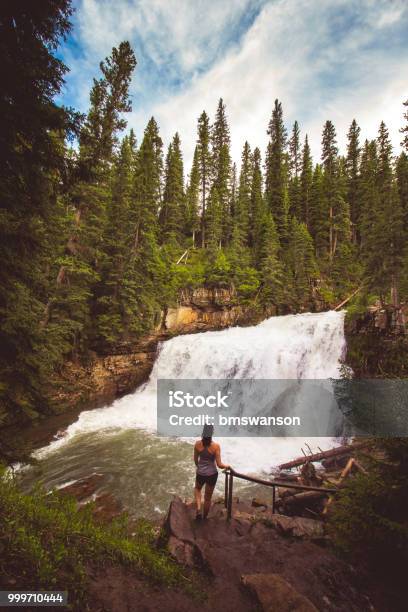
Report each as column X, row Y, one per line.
column 101, row 227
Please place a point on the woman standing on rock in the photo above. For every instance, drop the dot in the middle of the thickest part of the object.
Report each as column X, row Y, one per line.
column 207, row 456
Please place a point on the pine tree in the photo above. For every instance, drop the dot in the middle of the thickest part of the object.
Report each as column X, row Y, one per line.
column 218, row 267
column 34, row 169
column 204, row 159
column 318, row 218
column 243, row 276
column 295, row 166
column 301, row 260
column 276, row 181
column 382, row 219
column 306, row 181
column 397, row 242
column 192, row 218
column 145, row 281
column 258, row 208
column 402, row 182
column 148, row 182
column 333, row 197
column 370, row 217
column 214, row 221
column 404, row 130
column 109, row 99
column 242, row 216
column 171, row 213
column 345, row 270
column 390, row 237
column 234, row 191
column 78, row 274
column 111, row 303
column 352, row 169
column 271, row 274
column 221, row 167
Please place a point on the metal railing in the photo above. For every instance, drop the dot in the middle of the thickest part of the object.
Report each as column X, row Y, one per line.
column 230, row 473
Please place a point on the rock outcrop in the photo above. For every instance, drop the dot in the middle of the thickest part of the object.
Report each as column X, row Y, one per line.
column 180, row 536
column 103, row 378
column 272, row 593
column 261, row 561
column 377, row 342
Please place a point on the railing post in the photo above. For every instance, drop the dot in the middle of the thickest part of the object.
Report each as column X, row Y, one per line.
column 226, row 488
column 229, row 507
column 273, row 499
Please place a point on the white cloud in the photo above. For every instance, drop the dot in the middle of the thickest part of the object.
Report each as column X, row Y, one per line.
column 325, row 59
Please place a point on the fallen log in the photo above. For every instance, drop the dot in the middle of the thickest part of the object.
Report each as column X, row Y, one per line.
column 333, row 452
column 303, row 498
column 289, row 476
column 344, row 474
column 347, row 299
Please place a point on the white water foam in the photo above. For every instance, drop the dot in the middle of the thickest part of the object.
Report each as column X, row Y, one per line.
column 303, row 346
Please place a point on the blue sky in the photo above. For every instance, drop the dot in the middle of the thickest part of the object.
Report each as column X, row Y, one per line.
column 324, row 59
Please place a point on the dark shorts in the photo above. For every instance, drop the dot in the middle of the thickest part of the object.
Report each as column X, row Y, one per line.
column 202, row 480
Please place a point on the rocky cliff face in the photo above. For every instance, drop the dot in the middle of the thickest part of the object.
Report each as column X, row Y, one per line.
column 377, row 342
column 105, row 377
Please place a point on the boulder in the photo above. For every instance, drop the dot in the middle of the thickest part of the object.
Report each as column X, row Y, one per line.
column 181, row 542
column 273, row 593
column 182, row 552
column 177, row 522
column 297, row 526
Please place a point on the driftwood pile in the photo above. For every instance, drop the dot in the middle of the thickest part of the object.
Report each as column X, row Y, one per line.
column 337, row 464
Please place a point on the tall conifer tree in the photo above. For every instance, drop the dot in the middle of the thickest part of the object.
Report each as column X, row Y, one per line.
column 257, row 205
column 173, row 206
column 204, row 159
column 221, row 167
column 243, row 205
column 402, row 181
column 276, row 181
column 109, row 294
column 404, row 130
column 352, row 169
column 330, row 181
column 301, row 260
column 271, row 274
column 33, row 169
column 390, row 237
column 295, row 166
column 306, row 180
column 192, row 216
column 78, row 272
column 318, row 219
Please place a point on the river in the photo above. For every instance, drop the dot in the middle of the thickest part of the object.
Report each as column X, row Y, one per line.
column 142, row 470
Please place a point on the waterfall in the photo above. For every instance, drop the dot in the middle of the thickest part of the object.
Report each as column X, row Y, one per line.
column 303, row 346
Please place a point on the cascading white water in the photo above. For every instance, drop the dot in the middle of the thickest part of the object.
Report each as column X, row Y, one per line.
column 304, row 346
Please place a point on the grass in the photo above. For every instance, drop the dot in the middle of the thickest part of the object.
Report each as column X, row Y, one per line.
column 47, row 542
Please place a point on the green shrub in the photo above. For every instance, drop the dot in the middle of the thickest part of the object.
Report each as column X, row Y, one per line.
column 369, row 519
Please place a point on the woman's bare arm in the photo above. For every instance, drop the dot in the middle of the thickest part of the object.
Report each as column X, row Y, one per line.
column 221, row 465
column 195, row 455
